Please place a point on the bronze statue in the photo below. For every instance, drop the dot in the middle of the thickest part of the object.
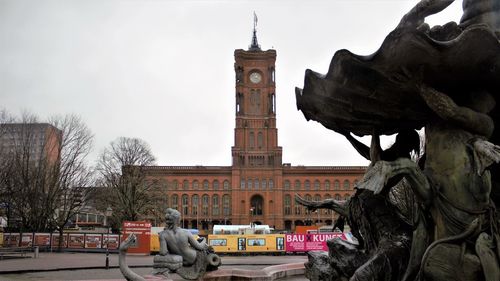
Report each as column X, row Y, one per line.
column 180, row 252
column 445, row 79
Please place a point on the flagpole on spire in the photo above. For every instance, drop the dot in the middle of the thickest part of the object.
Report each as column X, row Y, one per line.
column 255, row 45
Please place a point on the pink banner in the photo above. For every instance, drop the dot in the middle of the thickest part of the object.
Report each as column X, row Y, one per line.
column 309, row 242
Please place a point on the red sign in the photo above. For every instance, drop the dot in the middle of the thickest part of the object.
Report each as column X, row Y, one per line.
column 309, row 242
column 142, row 230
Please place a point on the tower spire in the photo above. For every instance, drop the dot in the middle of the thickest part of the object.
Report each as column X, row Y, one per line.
column 255, row 45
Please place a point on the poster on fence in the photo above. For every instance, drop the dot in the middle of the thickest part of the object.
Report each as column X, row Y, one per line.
column 142, row 229
column 27, row 240
column 76, row 241
column 11, row 239
column 309, row 242
column 93, row 241
column 110, row 241
column 42, row 239
column 56, row 238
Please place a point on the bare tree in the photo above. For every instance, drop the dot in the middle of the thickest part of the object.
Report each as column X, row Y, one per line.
column 121, row 173
column 74, row 178
column 44, row 176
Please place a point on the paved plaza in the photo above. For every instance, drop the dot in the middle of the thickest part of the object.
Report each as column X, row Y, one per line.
column 90, row 266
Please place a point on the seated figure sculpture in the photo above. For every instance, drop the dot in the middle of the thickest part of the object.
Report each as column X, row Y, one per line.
column 180, row 252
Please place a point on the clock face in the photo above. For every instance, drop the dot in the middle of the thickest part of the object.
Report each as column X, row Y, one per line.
column 255, row 77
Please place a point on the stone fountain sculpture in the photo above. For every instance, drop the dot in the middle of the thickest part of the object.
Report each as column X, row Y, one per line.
column 180, row 253
column 445, row 79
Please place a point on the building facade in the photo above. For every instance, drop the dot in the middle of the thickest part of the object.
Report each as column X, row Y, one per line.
column 257, row 187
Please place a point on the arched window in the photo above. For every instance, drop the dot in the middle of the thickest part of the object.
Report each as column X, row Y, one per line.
column 185, row 205
column 297, row 185
column 226, row 185
column 264, row 184
column 175, row 202
column 288, row 204
column 327, row 185
column 257, row 205
column 216, row 184
column 271, row 184
column 337, row 197
column 205, row 185
column 205, row 201
column 195, row 185
column 175, row 184
column 242, row 184
column 215, row 205
column 185, row 185
column 336, row 185
column 317, row 197
column 226, row 204
column 194, row 205
column 346, row 185
column 287, row 185
column 256, row 183
column 328, row 211
column 249, row 184
column 307, row 198
column 307, row 185
column 316, row 185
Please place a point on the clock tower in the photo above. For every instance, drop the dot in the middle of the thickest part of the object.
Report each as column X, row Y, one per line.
column 256, row 156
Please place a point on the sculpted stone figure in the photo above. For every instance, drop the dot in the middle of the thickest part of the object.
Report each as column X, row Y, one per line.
column 445, row 79
column 180, row 252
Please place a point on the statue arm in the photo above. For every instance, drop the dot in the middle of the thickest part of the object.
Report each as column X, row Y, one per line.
column 163, row 245
column 361, row 148
column 416, row 16
column 198, row 246
column 337, row 206
column 448, row 110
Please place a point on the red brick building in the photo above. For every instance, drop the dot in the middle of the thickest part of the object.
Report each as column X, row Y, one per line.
column 258, row 187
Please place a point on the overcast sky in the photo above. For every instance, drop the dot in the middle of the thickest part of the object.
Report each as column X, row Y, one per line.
column 163, row 71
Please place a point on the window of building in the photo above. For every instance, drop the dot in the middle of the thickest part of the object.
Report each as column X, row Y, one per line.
column 175, row 184
column 256, row 184
column 317, row 197
column 346, row 185
column 288, row 204
column 185, row 205
column 205, row 185
column 298, row 209
column 327, row 185
column 260, row 139
column 286, row 185
column 297, row 185
column 185, row 185
column 205, row 201
column 175, row 202
column 215, row 205
column 271, row 184
column 346, row 196
column 337, row 197
column 327, row 211
column 307, row 185
column 252, row 140
column 165, row 203
column 264, row 184
column 316, row 185
column 194, row 205
column 216, row 184
column 195, row 185
column 226, row 204
column 249, row 184
column 242, row 184
column 307, row 198
column 226, row 185
column 336, row 185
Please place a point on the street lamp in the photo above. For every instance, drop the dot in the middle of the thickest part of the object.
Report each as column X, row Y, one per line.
column 108, row 213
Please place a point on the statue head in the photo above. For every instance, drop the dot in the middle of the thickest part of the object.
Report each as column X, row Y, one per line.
column 172, row 217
